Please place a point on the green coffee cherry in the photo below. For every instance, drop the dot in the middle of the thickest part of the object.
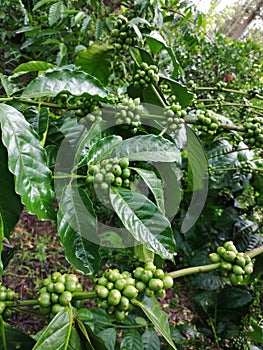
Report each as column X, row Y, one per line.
column 114, row 297
column 124, row 303
column 65, row 298
column 149, row 292
column 150, row 266
column 215, row 258
column 120, row 284
column 230, row 246
column 146, row 276
column 155, row 284
column 102, row 291
column 137, row 273
column 114, row 275
column 2, row 307
column 168, row 282
column 229, row 255
column 131, row 292
column 44, row 299
column 102, row 281
column 141, row 286
column 238, row 270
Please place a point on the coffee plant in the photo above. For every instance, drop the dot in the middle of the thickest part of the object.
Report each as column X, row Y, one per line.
column 120, row 122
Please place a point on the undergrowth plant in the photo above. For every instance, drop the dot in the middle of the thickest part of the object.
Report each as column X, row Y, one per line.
column 112, row 133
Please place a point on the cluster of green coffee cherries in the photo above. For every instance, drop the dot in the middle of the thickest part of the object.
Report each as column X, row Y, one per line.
column 246, row 167
column 112, row 171
column 122, row 34
column 128, row 112
column 57, row 292
column 6, row 294
column 145, row 75
column 236, row 266
column 207, row 122
column 253, row 135
column 174, row 116
column 116, row 290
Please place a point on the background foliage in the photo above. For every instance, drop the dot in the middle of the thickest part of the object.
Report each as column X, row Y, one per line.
column 61, row 63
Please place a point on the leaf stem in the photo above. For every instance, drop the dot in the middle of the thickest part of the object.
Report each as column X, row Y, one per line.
column 31, row 102
column 254, row 252
column 158, row 95
column 194, row 269
column 3, row 335
column 83, row 295
column 29, row 302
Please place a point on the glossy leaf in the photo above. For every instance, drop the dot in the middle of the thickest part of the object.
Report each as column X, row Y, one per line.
column 157, row 43
column 157, row 316
column 92, row 341
column 27, row 161
column 1, row 242
column 33, row 66
column 109, row 336
column 154, row 184
column 67, row 79
column 148, row 148
column 42, row 3
column 144, row 221
column 150, row 340
column 103, row 148
column 57, row 334
column 96, row 60
column 13, row 338
column 9, row 87
column 234, row 297
column 10, row 203
column 171, row 175
column 77, row 226
column 183, row 96
column 131, row 340
column 199, row 170
column 55, row 12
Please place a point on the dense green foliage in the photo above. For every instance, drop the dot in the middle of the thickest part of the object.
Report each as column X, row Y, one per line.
column 148, row 135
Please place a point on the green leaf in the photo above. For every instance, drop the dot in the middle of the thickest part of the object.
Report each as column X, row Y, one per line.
column 57, row 334
column 27, row 161
column 1, row 242
column 96, row 60
column 199, row 170
column 255, row 332
column 155, row 186
column 157, row 316
column 92, row 341
column 74, row 341
column 150, row 340
column 144, row 221
column 42, row 3
column 131, row 340
column 98, row 29
column 77, row 226
column 109, row 336
column 68, row 79
column 171, row 175
column 183, row 96
column 55, row 11
column 234, row 297
column 157, row 43
column 10, row 203
column 148, row 148
column 103, row 148
column 9, row 87
column 33, row 66
column 12, row 338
